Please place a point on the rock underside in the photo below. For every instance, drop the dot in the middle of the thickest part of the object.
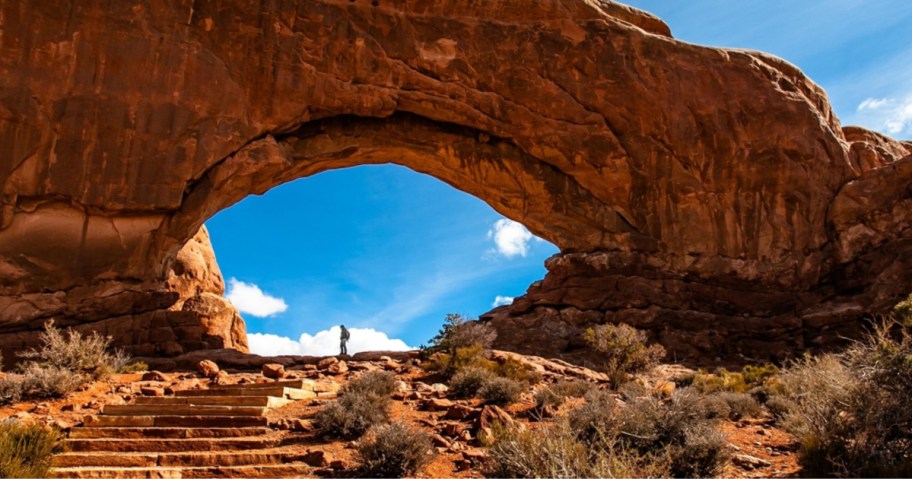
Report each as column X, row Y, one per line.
column 708, row 195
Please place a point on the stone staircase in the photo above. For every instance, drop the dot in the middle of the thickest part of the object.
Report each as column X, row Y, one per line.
column 216, row 432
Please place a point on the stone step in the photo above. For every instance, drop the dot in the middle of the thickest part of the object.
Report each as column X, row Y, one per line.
column 175, row 421
column 171, row 445
column 177, row 459
column 297, row 469
column 275, row 391
column 261, row 401
column 163, row 432
column 292, row 383
column 180, row 410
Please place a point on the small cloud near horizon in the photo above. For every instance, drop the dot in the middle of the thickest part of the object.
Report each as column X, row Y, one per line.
column 324, row 343
column 248, row 298
column 510, row 238
column 502, row 301
column 891, row 116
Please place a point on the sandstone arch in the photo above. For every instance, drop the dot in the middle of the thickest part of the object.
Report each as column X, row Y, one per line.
column 709, row 195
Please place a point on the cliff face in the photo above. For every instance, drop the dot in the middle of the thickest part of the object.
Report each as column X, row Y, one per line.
column 704, row 193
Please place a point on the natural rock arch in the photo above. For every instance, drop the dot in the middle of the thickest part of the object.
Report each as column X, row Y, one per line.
column 709, row 195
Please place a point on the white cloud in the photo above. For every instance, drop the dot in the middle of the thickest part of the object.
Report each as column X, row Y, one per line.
column 501, row 301
column 324, row 343
column 872, row 104
column 889, row 115
column 250, row 299
column 511, row 238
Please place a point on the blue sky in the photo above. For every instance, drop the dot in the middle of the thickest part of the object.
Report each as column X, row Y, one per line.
column 388, row 252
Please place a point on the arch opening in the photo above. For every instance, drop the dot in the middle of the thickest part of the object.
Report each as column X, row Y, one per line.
column 382, row 249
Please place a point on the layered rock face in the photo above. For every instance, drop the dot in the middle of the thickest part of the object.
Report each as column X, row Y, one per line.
column 704, row 193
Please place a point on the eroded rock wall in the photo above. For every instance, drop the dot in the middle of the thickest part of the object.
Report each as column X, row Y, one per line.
column 707, row 191
column 186, row 313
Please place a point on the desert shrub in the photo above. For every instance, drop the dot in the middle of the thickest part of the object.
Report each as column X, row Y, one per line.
column 363, row 403
column 554, row 394
column 779, row 406
column 702, row 453
column 39, row 382
column 458, row 332
column 518, row 371
column 394, row 450
column 902, row 312
column 850, row 411
column 377, row 383
column 740, row 405
column 549, row 451
column 623, row 350
column 758, row 375
column 720, row 381
column 134, row 367
column 12, row 388
column 75, row 352
column 448, row 364
column 26, row 450
column 676, row 432
column 716, row 407
column 467, row 382
column 501, row 391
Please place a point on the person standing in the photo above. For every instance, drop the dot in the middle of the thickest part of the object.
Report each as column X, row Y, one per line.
column 343, row 338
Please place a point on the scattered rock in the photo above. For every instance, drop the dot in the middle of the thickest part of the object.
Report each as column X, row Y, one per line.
column 337, row 368
column 459, row 411
column 208, row 368
column 437, row 404
column 491, row 415
column 440, row 441
column 152, row 391
column 221, row 378
column 315, row 458
column 154, row 376
column 326, row 363
column 183, row 385
column 748, row 462
column 274, row 371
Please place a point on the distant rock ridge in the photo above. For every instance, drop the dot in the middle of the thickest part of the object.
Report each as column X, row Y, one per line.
column 709, row 195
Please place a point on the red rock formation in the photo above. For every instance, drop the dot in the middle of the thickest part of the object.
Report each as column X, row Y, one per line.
column 705, row 193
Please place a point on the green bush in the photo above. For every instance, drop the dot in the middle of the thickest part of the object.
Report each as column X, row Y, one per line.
column 394, row 450
column 467, row 382
column 501, row 391
column 134, row 367
column 363, row 403
column 26, row 450
column 459, row 339
column 518, row 371
column 623, row 350
column 554, row 395
column 758, row 375
column 850, row 411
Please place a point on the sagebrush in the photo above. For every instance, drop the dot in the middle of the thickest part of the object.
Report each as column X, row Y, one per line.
column 362, row 403
column 26, row 450
column 394, row 450
column 850, row 410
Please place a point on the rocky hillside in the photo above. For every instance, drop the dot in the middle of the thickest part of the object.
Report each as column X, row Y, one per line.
column 148, row 425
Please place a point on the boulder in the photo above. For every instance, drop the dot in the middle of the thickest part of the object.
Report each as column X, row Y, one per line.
column 208, row 368
column 154, row 376
column 273, row 371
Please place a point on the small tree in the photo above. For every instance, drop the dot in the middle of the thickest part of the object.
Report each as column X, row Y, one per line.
column 461, row 343
column 623, row 350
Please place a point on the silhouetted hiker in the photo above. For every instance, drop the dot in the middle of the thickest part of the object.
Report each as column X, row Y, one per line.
column 343, row 338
